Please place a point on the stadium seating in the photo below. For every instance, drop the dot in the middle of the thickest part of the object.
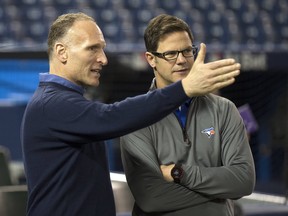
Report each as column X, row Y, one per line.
column 264, row 23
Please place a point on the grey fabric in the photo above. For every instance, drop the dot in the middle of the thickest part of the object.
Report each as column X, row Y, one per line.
column 214, row 151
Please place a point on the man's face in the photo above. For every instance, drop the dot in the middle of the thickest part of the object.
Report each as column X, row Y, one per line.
column 168, row 72
column 85, row 53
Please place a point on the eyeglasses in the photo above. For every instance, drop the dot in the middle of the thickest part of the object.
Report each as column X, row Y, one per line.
column 173, row 54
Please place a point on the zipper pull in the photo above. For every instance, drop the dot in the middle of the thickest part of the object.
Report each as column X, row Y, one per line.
column 185, row 136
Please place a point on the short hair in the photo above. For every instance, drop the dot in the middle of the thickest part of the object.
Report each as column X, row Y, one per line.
column 61, row 25
column 162, row 25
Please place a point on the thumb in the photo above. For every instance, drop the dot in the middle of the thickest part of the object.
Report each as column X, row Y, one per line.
column 201, row 54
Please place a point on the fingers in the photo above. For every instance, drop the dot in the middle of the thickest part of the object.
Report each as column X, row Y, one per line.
column 201, row 54
column 226, row 77
column 220, row 63
column 224, row 70
column 224, row 83
column 227, row 69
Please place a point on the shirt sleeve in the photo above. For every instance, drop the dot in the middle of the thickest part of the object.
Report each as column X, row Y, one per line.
column 151, row 192
column 72, row 118
column 236, row 177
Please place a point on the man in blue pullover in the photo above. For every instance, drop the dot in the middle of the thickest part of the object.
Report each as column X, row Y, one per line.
column 63, row 133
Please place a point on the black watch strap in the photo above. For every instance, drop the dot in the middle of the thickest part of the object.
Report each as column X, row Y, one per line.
column 177, row 173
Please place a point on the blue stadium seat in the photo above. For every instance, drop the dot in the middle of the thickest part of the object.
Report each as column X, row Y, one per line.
column 220, row 21
column 134, row 4
column 100, row 4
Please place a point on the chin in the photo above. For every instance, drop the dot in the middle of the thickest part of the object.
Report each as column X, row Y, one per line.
column 179, row 78
column 95, row 84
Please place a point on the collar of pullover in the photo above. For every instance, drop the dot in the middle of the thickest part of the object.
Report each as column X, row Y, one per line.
column 46, row 77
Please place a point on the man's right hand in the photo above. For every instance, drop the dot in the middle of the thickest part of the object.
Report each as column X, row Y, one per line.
column 166, row 172
column 205, row 78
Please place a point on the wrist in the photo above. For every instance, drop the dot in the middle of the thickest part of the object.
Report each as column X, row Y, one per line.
column 185, row 85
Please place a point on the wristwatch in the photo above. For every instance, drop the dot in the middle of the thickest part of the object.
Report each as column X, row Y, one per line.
column 177, row 173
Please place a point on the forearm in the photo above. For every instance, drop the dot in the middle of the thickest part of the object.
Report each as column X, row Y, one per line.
column 90, row 120
column 234, row 177
column 151, row 192
column 220, row 182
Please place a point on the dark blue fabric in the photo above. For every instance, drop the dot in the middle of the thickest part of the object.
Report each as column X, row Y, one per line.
column 63, row 135
column 46, row 77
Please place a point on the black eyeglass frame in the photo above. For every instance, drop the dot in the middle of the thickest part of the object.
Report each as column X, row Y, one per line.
column 162, row 55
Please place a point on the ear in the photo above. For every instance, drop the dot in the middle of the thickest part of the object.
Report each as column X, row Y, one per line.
column 61, row 52
column 150, row 59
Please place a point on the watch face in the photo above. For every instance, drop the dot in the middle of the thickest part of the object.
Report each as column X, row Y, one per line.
column 177, row 173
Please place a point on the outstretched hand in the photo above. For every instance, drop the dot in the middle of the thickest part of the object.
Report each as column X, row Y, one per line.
column 208, row 77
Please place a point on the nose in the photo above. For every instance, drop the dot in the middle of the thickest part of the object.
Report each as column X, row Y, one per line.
column 102, row 58
column 181, row 58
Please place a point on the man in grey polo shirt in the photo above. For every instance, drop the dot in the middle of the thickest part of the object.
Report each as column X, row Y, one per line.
column 197, row 160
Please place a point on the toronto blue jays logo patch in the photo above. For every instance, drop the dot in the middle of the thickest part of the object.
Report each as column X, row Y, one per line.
column 209, row 131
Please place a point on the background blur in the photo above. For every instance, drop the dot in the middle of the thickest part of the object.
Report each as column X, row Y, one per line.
column 254, row 32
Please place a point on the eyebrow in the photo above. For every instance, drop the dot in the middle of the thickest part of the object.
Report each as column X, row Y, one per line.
column 97, row 46
column 177, row 50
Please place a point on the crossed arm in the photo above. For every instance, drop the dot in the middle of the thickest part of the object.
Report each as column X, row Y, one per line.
column 235, row 178
column 151, row 191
